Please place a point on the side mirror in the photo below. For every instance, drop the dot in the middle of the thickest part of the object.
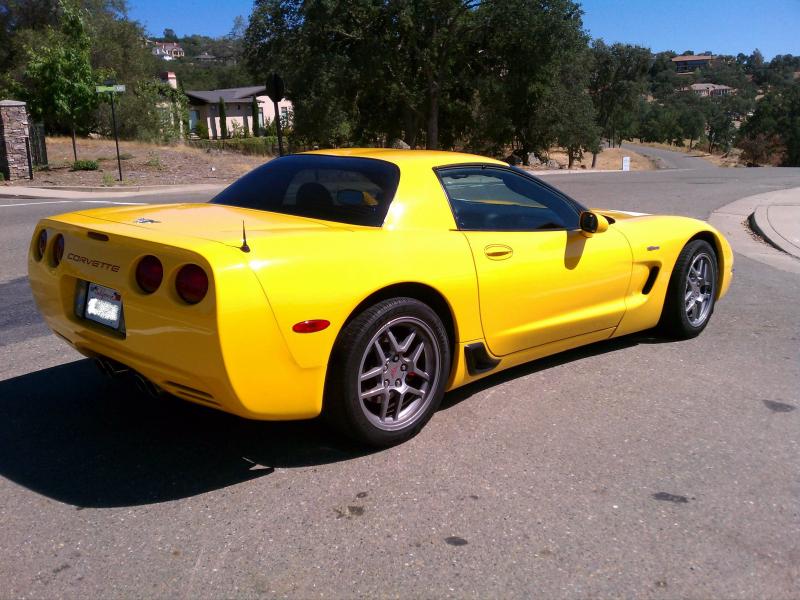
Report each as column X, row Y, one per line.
column 355, row 198
column 592, row 223
column 350, row 197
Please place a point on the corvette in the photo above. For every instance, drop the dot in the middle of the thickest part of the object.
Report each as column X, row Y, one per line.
column 362, row 284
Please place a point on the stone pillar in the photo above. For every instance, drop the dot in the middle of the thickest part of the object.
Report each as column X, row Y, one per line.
column 14, row 153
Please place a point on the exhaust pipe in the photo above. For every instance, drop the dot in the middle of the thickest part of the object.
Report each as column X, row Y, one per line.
column 111, row 368
column 144, row 385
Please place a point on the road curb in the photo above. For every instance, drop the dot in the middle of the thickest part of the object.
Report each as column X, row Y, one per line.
column 90, row 193
column 760, row 223
column 125, row 189
column 745, row 219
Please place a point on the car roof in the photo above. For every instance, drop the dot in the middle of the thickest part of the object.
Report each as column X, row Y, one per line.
column 419, row 158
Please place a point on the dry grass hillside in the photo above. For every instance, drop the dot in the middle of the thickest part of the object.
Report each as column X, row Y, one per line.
column 142, row 164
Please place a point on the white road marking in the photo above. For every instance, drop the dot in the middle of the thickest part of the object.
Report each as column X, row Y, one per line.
column 73, row 202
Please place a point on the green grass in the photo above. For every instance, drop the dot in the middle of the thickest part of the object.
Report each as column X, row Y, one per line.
column 85, row 165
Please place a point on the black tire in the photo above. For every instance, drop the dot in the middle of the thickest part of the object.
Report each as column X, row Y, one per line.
column 368, row 421
column 676, row 322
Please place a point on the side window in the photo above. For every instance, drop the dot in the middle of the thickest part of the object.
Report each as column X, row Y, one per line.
column 494, row 199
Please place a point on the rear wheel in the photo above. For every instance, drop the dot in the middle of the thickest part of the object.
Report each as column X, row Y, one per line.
column 692, row 292
column 388, row 372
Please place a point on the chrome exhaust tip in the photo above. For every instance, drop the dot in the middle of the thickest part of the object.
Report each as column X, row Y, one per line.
column 144, row 385
column 110, row 368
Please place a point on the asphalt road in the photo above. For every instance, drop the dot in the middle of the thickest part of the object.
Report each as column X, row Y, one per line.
column 632, row 468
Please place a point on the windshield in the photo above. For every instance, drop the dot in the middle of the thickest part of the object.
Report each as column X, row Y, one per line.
column 332, row 188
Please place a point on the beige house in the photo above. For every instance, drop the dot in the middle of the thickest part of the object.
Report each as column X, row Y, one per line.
column 713, row 90
column 167, row 50
column 204, row 108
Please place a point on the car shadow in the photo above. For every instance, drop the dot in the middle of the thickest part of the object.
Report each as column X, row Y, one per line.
column 75, row 436
column 463, row 393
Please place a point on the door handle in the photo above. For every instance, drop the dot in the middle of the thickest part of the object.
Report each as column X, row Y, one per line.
column 498, row 251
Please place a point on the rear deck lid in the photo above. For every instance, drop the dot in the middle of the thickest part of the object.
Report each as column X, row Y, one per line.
column 214, row 222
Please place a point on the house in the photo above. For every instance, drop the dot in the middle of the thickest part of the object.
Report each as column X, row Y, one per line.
column 688, row 63
column 205, row 57
column 167, row 50
column 713, row 90
column 204, row 108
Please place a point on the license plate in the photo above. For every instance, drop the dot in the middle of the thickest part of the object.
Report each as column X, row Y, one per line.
column 103, row 305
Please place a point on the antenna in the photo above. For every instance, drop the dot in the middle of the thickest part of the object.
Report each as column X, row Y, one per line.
column 244, row 247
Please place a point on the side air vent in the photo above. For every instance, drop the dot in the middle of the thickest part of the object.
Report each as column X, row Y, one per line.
column 478, row 359
column 651, row 280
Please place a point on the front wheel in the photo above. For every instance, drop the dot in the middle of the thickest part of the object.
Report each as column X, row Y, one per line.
column 691, row 293
column 388, row 371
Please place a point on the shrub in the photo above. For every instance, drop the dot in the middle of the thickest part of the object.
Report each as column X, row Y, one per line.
column 125, row 156
column 2, row 176
column 201, row 130
column 85, row 165
column 108, row 179
column 154, row 161
column 261, row 146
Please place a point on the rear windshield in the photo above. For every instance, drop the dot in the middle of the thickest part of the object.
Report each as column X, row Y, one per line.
column 333, row 188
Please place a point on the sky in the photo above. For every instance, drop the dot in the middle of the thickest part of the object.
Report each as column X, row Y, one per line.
column 721, row 26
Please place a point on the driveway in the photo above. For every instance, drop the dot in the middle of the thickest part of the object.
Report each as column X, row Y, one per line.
column 671, row 160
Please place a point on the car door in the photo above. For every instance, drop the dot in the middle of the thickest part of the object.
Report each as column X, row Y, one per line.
column 540, row 279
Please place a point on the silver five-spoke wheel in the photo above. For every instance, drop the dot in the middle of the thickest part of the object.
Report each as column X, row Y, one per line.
column 399, row 368
column 692, row 291
column 699, row 292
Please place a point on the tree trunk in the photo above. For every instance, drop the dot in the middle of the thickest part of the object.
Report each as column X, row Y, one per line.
column 570, row 158
column 526, row 156
column 594, row 159
column 433, row 117
column 74, row 148
column 691, row 140
column 411, row 126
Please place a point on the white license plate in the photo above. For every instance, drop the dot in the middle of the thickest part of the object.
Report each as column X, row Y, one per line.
column 103, row 305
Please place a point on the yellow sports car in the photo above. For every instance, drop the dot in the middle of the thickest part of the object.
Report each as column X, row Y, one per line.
column 363, row 284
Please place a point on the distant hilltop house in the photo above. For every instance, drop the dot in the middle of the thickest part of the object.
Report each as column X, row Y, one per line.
column 204, row 108
column 711, row 90
column 166, row 50
column 688, row 63
column 205, row 57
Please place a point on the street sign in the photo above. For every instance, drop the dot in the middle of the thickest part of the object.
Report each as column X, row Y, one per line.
column 274, row 87
column 275, row 91
column 109, row 89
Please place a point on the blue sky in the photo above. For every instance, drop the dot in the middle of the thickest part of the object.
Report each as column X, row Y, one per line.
column 722, row 26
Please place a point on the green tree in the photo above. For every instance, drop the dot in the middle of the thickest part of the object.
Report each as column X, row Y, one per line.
column 720, row 130
column 523, row 58
column 223, row 119
column 362, row 69
column 59, row 77
column 618, row 81
column 777, row 115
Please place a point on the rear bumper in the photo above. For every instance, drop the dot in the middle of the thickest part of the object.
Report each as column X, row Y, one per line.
column 226, row 352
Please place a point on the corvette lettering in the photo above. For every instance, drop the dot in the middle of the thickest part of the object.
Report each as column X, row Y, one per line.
column 98, row 264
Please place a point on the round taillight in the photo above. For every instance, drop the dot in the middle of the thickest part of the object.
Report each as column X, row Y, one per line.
column 58, row 250
column 191, row 283
column 149, row 273
column 41, row 244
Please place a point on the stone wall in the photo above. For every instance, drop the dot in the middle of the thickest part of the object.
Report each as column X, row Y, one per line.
column 14, row 156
